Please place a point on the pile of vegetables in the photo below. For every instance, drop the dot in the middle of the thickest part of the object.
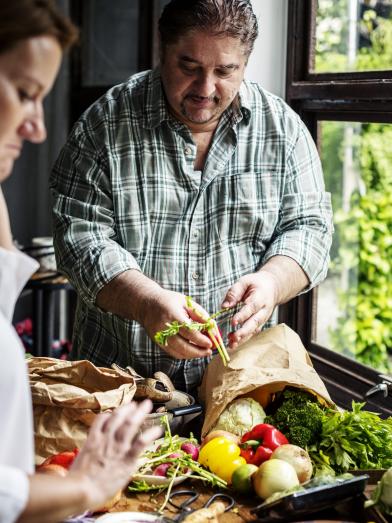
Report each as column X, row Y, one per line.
column 297, row 439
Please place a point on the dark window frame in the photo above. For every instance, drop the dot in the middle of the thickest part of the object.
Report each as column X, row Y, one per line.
column 358, row 97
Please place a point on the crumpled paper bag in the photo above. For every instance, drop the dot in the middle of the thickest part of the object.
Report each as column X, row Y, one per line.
column 268, row 362
column 67, row 396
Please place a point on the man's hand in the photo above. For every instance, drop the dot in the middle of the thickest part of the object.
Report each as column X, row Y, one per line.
column 278, row 281
column 162, row 307
column 135, row 297
column 259, row 293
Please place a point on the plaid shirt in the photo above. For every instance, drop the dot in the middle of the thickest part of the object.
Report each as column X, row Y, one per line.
column 127, row 196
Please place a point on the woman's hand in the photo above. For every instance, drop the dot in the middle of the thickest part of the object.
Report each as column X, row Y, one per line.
column 109, row 456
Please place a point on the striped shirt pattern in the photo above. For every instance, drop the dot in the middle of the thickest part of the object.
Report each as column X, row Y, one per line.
column 126, row 196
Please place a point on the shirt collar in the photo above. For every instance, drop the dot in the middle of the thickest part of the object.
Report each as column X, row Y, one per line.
column 156, row 107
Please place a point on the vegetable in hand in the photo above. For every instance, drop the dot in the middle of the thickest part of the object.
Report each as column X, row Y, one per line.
column 221, row 457
column 207, row 327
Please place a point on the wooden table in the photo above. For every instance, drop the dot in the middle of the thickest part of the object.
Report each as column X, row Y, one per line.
column 150, row 502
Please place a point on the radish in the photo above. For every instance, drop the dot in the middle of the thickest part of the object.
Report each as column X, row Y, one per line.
column 191, row 449
column 175, row 455
column 161, row 470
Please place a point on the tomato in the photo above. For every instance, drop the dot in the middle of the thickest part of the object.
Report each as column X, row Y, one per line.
column 64, row 459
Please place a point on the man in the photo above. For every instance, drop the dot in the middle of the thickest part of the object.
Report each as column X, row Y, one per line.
column 187, row 180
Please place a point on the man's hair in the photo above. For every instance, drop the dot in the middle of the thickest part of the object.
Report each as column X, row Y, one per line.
column 234, row 18
column 22, row 19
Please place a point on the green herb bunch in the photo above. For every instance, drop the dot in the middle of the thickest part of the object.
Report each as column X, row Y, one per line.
column 353, row 440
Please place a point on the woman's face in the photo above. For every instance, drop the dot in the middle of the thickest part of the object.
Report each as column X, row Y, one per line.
column 27, row 73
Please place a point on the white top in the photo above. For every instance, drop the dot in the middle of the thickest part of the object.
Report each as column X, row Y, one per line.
column 16, row 418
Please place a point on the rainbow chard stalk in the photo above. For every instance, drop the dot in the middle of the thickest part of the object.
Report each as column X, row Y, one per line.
column 209, row 326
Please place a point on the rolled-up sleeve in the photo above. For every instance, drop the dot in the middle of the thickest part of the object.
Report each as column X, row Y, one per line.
column 84, row 228
column 305, row 226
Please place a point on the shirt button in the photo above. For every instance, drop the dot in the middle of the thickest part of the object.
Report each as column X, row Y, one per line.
column 188, row 150
column 195, row 275
column 195, row 234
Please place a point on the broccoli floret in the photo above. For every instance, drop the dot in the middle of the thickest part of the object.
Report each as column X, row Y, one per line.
column 299, row 417
column 300, row 436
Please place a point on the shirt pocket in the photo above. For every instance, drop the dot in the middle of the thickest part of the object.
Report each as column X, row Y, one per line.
column 246, row 208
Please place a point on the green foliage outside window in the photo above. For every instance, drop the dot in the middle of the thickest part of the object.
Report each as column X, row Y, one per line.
column 363, row 235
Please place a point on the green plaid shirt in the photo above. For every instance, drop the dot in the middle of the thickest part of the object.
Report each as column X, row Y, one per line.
column 126, row 196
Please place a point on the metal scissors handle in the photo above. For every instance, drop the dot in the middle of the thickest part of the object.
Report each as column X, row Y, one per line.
column 186, row 508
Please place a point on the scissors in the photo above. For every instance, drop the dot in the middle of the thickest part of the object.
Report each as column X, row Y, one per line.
column 191, row 496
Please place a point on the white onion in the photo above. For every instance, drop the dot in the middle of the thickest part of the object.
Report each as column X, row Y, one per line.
column 274, row 475
column 298, row 458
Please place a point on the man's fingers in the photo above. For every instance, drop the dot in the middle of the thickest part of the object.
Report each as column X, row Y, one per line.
column 196, row 337
column 250, row 327
column 181, row 349
column 235, row 294
column 247, row 311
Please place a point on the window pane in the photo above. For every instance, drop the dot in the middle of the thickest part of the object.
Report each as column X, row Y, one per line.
column 110, row 38
column 354, row 304
column 353, row 35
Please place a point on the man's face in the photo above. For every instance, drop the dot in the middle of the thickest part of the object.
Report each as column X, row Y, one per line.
column 201, row 76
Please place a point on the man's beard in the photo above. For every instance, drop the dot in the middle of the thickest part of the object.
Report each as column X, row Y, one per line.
column 215, row 99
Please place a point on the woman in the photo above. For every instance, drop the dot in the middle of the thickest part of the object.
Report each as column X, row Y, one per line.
column 33, row 36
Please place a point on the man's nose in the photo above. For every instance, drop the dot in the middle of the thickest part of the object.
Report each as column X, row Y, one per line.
column 205, row 85
column 33, row 128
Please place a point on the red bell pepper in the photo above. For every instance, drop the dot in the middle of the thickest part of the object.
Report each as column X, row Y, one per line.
column 267, row 434
column 258, row 444
column 248, row 454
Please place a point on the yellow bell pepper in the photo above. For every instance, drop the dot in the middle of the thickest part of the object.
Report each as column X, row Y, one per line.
column 222, row 457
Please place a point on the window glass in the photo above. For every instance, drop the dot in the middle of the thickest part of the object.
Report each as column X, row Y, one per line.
column 354, row 304
column 110, row 36
column 353, row 35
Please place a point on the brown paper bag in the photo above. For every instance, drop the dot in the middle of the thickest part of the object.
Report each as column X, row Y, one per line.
column 268, row 362
column 67, row 395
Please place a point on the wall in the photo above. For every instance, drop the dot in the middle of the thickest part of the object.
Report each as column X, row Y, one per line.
column 267, row 64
